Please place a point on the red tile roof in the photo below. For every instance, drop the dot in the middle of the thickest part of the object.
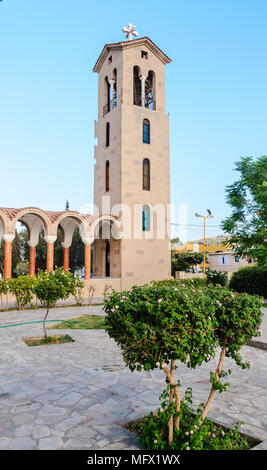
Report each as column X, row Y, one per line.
column 121, row 43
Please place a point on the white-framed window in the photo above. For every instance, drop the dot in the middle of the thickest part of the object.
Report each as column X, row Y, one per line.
column 223, row 260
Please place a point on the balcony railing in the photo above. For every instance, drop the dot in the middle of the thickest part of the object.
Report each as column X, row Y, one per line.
column 109, row 106
column 149, row 102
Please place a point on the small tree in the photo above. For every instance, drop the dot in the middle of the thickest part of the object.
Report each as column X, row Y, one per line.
column 247, row 196
column 157, row 324
column 51, row 287
column 22, row 288
column 185, row 261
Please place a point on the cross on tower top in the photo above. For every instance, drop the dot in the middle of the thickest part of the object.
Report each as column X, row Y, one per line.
column 130, row 31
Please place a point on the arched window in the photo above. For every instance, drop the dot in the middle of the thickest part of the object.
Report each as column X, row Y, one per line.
column 146, row 174
column 150, row 101
column 146, row 131
column 146, row 218
column 137, row 86
column 107, row 175
column 107, row 134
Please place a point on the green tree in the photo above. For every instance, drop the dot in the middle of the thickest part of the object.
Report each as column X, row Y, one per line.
column 185, row 261
column 247, row 196
column 53, row 286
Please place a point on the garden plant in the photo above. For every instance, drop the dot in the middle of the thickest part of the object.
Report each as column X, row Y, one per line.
column 22, row 288
column 4, row 292
column 251, row 279
column 53, row 286
column 161, row 323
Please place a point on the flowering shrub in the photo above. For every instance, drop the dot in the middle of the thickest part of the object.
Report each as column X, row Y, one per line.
column 157, row 324
column 194, row 433
column 216, row 277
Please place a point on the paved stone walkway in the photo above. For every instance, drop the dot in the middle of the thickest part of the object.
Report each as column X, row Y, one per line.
column 77, row 395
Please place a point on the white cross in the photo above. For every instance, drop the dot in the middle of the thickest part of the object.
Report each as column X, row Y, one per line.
column 130, row 31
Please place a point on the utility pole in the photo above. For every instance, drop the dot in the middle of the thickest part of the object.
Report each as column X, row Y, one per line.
column 209, row 216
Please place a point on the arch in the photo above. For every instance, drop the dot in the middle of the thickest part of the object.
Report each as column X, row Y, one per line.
column 93, row 232
column 107, row 134
column 146, row 174
column 146, row 218
column 35, row 219
column 150, row 87
column 137, row 99
column 3, row 224
column 146, row 131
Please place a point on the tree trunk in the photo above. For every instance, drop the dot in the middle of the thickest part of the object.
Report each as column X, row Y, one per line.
column 217, row 373
column 171, row 401
column 47, row 311
column 174, row 390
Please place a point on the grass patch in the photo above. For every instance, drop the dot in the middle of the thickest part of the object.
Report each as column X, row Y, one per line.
column 84, row 322
column 40, row 341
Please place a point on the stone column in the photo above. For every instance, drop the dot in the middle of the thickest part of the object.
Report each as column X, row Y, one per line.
column 50, row 240
column 66, row 256
column 32, row 259
column 87, row 261
column 143, row 85
column 8, row 238
column 112, row 83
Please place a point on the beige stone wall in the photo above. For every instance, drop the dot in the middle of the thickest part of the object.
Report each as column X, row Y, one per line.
column 231, row 267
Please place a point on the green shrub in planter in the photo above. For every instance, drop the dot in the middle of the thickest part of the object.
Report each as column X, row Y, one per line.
column 157, row 324
column 251, row 279
column 22, row 288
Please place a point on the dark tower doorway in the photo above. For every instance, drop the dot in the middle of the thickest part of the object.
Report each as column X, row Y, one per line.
column 107, row 259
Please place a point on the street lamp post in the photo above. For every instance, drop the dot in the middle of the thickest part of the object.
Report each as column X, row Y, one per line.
column 209, row 216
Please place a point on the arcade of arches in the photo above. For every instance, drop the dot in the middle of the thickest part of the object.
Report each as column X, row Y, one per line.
column 100, row 231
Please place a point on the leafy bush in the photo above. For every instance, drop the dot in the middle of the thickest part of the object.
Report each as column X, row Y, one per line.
column 251, row 279
column 3, row 291
column 157, row 324
column 22, row 288
column 192, row 434
column 191, row 282
column 216, row 277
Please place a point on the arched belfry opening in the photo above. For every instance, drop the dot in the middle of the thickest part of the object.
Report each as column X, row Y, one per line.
column 114, row 89
column 150, row 99
column 137, row 98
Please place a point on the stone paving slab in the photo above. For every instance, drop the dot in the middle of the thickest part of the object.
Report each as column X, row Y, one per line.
column 77, row 395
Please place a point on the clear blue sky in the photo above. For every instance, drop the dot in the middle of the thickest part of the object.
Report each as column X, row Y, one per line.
column 216, row 94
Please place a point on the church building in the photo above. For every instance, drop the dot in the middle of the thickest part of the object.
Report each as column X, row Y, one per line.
column 127, row 239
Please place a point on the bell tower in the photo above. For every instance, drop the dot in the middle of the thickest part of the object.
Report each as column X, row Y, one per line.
column 132, row 159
